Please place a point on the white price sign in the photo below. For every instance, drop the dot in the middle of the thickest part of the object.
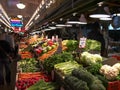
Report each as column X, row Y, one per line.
column 82, row 42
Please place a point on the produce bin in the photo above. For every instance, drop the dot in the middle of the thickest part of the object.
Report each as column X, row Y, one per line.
column 115, row 85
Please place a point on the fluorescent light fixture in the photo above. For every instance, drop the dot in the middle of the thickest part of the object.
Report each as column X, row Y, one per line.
column 47, row 29
column 20, row 5
column 116, row 14
column 105, row 19
column 73, row 22
column 37, row 16
column 4, row 23
column 60, row 25
column 4, row 16
column 52, row 27
column 99, row 16
column 19, row 16
column 101, row 12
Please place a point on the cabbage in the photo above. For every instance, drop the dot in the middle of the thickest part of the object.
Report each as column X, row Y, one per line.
column 88, row 58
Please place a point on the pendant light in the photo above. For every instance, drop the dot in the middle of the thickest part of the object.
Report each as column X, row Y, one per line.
column 62, row 23
column 73, row 19
column 82, row 19
column 19, row 16
column 101, row 12
column 20, row 5
column 106, row 19
column 52, row 25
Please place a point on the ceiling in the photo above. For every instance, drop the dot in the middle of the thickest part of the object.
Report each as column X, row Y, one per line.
column 61, row 8
column 12, row 10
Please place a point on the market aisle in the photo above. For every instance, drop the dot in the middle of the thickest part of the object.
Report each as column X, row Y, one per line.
column 13, row 67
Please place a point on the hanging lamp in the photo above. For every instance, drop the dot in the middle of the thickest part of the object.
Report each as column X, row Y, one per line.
column 73, row 19
column 101, row 12
column 82, row 19
column 62, row 23
column 20, row 5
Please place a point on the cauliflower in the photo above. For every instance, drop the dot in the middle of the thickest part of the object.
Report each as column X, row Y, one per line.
column 117, row 66
column 109, row 72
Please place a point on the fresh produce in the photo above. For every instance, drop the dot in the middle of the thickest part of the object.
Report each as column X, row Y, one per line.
column 55, row 59
column 94, row 68
column 47, row 54
column 117, row 66
column 103, row 79
column 75, row 84
column 81, row 79
column 109, row 72
column 66, row 68
column 28, row 65
column 42, row 85
column 92, row 45
column 83, row 75
column 25, row 80
column 25, row 54
column 23, row 84
column 97, row 85
column 88, row 58
column 72, row 45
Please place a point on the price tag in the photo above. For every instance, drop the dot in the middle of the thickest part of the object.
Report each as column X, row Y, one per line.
column 56, row 38
column 82, row 42
column 53, row 38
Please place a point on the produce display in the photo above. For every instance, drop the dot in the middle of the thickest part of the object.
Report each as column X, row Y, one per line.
column 23, row 84
column 25, row 80
column 47, row 54
column 55, row 59
column 42, row 85
column 75, row 84
column 66, row 68
column 88, row 58
column 25, row 54
column 94, row 76
column 83, row 80
column 28, row 65
column 92, row 45
column 44, row 46
column 72, row 45
column 110, row 72
column 94, row 68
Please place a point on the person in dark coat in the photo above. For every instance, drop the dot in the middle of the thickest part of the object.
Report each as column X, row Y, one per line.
column 5, row 60
column 96, row 34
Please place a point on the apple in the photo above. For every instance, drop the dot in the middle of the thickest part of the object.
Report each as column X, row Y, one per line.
column 50, row 43
column 45, row 50
column 49, row 48
column 53, row 46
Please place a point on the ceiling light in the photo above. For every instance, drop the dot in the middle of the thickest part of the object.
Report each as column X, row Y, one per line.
column 106, row 19
column 82, row 19
column 20, row 5
column 99, row 16
column 19, row 16
column 73, row 20
column 100, row 12
column 52, row 25
column 116, row 14
column 60, row 23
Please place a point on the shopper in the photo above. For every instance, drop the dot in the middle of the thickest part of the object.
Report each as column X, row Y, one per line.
column 5, row 60
column 96, row 34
